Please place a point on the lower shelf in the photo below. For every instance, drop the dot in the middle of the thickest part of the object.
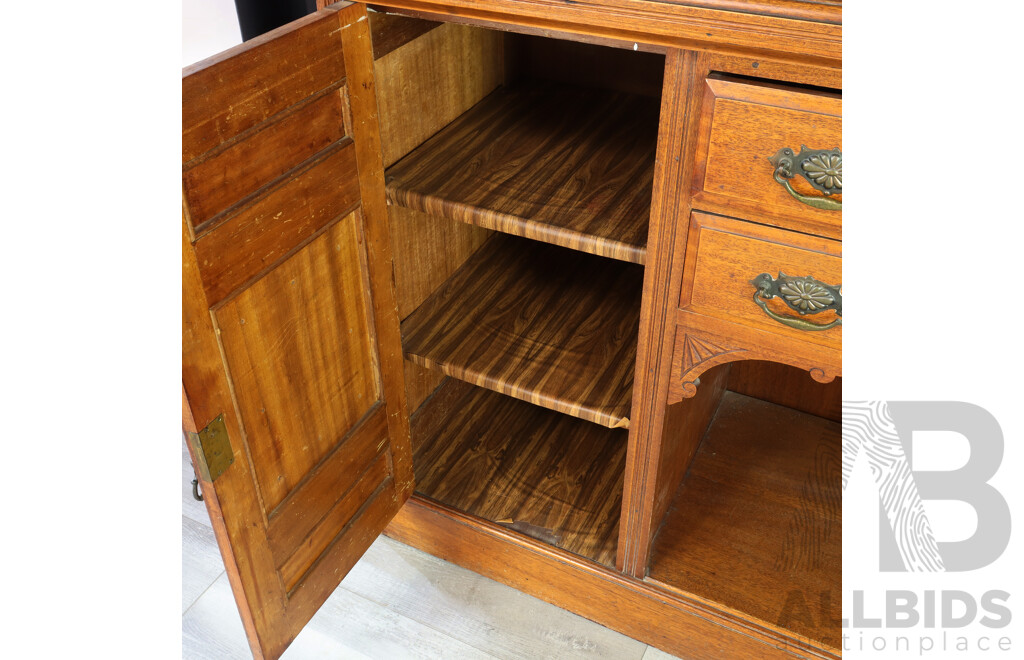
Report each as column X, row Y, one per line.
column 756, row 526
column 549, row 476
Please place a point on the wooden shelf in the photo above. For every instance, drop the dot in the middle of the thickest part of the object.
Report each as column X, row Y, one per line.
column 552, row 477
column 756, row 525
column 559, row 164
column 547, row 325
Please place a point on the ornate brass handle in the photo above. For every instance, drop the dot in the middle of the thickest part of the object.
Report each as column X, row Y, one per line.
column 804, row 295
column 822, row 168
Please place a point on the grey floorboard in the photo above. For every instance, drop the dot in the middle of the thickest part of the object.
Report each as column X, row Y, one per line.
column 397, row 602
column 200, row 560
column 655, row 654
column 347, row 626
column 479, row 611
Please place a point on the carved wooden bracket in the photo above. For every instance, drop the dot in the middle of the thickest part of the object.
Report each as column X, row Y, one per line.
column 698, row 350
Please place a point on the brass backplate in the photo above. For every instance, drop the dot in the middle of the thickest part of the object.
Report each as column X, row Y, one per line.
column 213, row 449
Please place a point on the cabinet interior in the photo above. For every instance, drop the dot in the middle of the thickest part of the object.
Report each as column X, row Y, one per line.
column 519, row 174
column 755, row 523
column 519, row 213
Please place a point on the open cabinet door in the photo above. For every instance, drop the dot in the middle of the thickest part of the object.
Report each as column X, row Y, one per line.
column 291, row 354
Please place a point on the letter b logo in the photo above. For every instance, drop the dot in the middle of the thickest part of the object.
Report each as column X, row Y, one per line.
column 883, row 431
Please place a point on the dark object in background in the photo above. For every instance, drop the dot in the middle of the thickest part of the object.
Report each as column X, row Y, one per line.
column 258, row 16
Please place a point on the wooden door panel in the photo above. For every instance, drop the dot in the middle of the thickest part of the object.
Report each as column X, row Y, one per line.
column 298, row 353
column 293, row 521
column 240, row 88
column 290, row 331
column 236, row 171
column 278, row 220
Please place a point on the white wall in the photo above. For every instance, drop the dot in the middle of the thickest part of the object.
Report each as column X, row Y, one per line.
column 207, row 27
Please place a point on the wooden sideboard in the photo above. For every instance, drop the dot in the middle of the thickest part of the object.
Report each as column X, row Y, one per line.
column 534, row 287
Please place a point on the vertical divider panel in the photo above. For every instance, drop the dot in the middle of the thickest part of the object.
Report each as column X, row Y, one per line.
column 670, row 207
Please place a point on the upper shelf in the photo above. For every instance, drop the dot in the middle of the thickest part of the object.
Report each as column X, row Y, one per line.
column 540, row 323
column 564, row 165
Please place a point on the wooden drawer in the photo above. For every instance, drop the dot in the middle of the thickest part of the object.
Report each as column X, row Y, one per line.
column 724, row 256
column 743, row 124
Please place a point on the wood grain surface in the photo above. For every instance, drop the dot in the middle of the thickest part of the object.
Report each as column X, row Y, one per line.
column 803, row 31
column 427, row 251
column 686, row 422
column 744, row 123
column 683, row 625
column 290, row 331
column 391, row 31
column 547, row 475
column 283, row 217
column 532, row 57
column 723, row 256
column 541, row 323
column 426, row 83
column 297, row 344
column 757, row 524
column 787, row 386
column 680, row 107
column 234, row 91
column 236, row 171
column 560, row 164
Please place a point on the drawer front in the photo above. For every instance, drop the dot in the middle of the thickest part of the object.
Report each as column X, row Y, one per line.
column 743, row 125
column 724, row 257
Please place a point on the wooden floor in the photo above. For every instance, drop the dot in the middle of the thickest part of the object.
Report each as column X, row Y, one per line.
column 396, row 603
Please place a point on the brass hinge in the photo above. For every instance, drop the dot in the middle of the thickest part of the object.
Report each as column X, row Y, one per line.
column 212, row 449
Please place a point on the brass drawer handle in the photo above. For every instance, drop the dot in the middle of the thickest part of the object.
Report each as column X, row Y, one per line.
column 804, row 295
column 822, row 168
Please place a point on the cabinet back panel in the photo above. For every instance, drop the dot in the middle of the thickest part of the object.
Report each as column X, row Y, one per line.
column 427, row 75
column 427, row 251
column 426, row 83
column 586, row 65
column 787, row 386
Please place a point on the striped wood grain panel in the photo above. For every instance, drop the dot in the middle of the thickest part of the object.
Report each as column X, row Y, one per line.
column 559, row 164
column 757, row 522
column 551, row 326
column 552, row 477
